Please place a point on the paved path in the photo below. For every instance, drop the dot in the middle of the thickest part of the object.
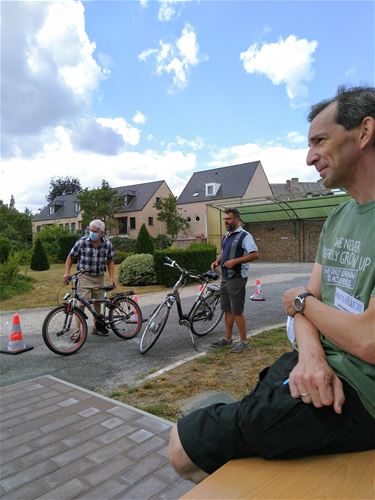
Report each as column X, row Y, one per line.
column 60, row 441
column 104, row 363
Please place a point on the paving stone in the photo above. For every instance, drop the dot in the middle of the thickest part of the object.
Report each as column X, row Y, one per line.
column 68, row 402
column 142, row 469
column 59, row 387
column 23, row 402
column 59, row 423
column 103, row 472
column 88, row 412
column 12, row 422
column 85, row 435
column 19, row 440
column 68, row 490
column 107, row 452
column 16, row 413
column 119, row 432
column 147, row 488
column 177, row 491
column 40, row 413
column 145, row 448
column 72, row 454
column 15, row 453
column 68, row 472
column 49, row 394
column 112, row 422
column 29, row 491
column 125, row 413
column 27, row 475
column 153, row 424
column 9, row 469
column 43, row 453
column 168, row 473
column 106, row 490
column 6, row 434
column 140, row 435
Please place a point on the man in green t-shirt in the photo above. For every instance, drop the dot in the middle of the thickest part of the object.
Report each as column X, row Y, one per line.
column 321, row 398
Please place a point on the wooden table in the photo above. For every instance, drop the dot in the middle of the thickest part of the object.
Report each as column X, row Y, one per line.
column 344, row 476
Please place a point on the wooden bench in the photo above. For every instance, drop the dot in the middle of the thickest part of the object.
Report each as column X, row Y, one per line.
column 344, row 476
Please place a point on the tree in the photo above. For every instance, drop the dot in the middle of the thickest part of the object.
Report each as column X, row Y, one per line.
column 16, row 226
column 39, row 257
column 144, row 243
column 168, row 213
column 101, row 203
column 63, row 185
column 12, row 202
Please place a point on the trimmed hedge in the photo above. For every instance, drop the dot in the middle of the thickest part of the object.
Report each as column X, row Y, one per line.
column 39, row 257
column 66, row 243
column 198, row 258
column 144, row 243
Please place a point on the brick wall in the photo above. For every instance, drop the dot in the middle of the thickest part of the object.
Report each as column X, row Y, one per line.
column 287, row 241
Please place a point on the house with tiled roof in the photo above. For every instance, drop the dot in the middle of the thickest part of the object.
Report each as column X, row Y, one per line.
column 138, row 209
column 294, row 189
column 229, row 185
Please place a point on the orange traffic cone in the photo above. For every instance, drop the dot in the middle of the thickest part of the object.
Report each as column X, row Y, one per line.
column 258, row 296
column 16, row 344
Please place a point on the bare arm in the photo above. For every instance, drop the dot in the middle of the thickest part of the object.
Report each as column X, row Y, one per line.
column 354, row 333
column 216, row 263
column 111, row 271
column 312, row 375
column 68, row 265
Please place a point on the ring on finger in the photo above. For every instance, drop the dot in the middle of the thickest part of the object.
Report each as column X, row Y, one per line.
column 304, row 394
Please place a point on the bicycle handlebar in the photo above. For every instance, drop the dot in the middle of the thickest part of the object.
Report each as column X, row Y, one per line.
column 199, row 277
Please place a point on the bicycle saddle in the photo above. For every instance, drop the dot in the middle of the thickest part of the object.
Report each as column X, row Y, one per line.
column 211, row 275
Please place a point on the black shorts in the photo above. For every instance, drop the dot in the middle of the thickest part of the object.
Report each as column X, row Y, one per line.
column 232, row 294
column 269, row 423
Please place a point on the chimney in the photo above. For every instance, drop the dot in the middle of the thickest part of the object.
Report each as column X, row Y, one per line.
column 294, row 186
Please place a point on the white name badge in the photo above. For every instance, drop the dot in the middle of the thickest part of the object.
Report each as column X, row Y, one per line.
column 346, row 302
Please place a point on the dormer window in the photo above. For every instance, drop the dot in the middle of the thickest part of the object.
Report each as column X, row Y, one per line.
column 195, row 194
column 129, row 196
column 77, row 208
column 52, row 210
column 212, row 188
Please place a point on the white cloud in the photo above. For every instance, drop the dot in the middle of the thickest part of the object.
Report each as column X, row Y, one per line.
column 130, row 135
column 143, row 3
column 139, row 118
column 196, row 144
column 167, row 9
column 279, row 162
column 49, row 75
column 287, row 61
column 176, row 59
column 295, row 137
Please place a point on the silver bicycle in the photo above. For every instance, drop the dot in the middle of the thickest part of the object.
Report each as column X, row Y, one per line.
column 203, row 316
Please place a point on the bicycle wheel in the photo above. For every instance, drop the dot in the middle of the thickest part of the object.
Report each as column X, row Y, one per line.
column 64, row 332
column 126, row 318
column 154, row 327
column 206, row 315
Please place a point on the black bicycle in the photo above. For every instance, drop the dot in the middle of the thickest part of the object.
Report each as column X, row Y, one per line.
column 204, row 315
column 65, row 327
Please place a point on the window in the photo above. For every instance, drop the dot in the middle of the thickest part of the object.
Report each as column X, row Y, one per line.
column 212, row 188
column 197, row 218
column 52, row 209
column 132, row 222
column 77, row 208
column 67, row 225
column 38, row 229
column 157, row 199
column 73, row 227
column 150, row 221
column 196, row 194
column 123, row 225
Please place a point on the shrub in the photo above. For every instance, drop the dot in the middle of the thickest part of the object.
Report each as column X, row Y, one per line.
column 123, row 244
column 39, row 257
column 120, row 256
column 66, row 242
column 199, row 258
column 24, row 256
column 162, row 241
column 50, row 235
column 144, row 243
column 137, row 270
column 5, row 247
column 9, row 270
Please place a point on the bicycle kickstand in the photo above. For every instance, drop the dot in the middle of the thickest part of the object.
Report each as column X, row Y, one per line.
column 193, row 341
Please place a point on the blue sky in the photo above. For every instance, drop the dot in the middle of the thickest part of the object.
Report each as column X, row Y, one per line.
column 135, row 91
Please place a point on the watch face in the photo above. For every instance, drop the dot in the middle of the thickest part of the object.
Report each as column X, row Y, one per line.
column 298, row 304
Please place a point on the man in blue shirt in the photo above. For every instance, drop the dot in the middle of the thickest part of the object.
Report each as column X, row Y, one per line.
column 237, row 250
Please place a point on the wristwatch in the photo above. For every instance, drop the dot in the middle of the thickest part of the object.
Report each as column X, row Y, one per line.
column 299, row 301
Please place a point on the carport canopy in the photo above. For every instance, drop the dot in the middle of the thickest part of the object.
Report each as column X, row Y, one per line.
column 281, row 209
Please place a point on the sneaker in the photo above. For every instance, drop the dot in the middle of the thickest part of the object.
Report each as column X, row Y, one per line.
column 221, row 342
column 241, row 346
column 75, row 337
